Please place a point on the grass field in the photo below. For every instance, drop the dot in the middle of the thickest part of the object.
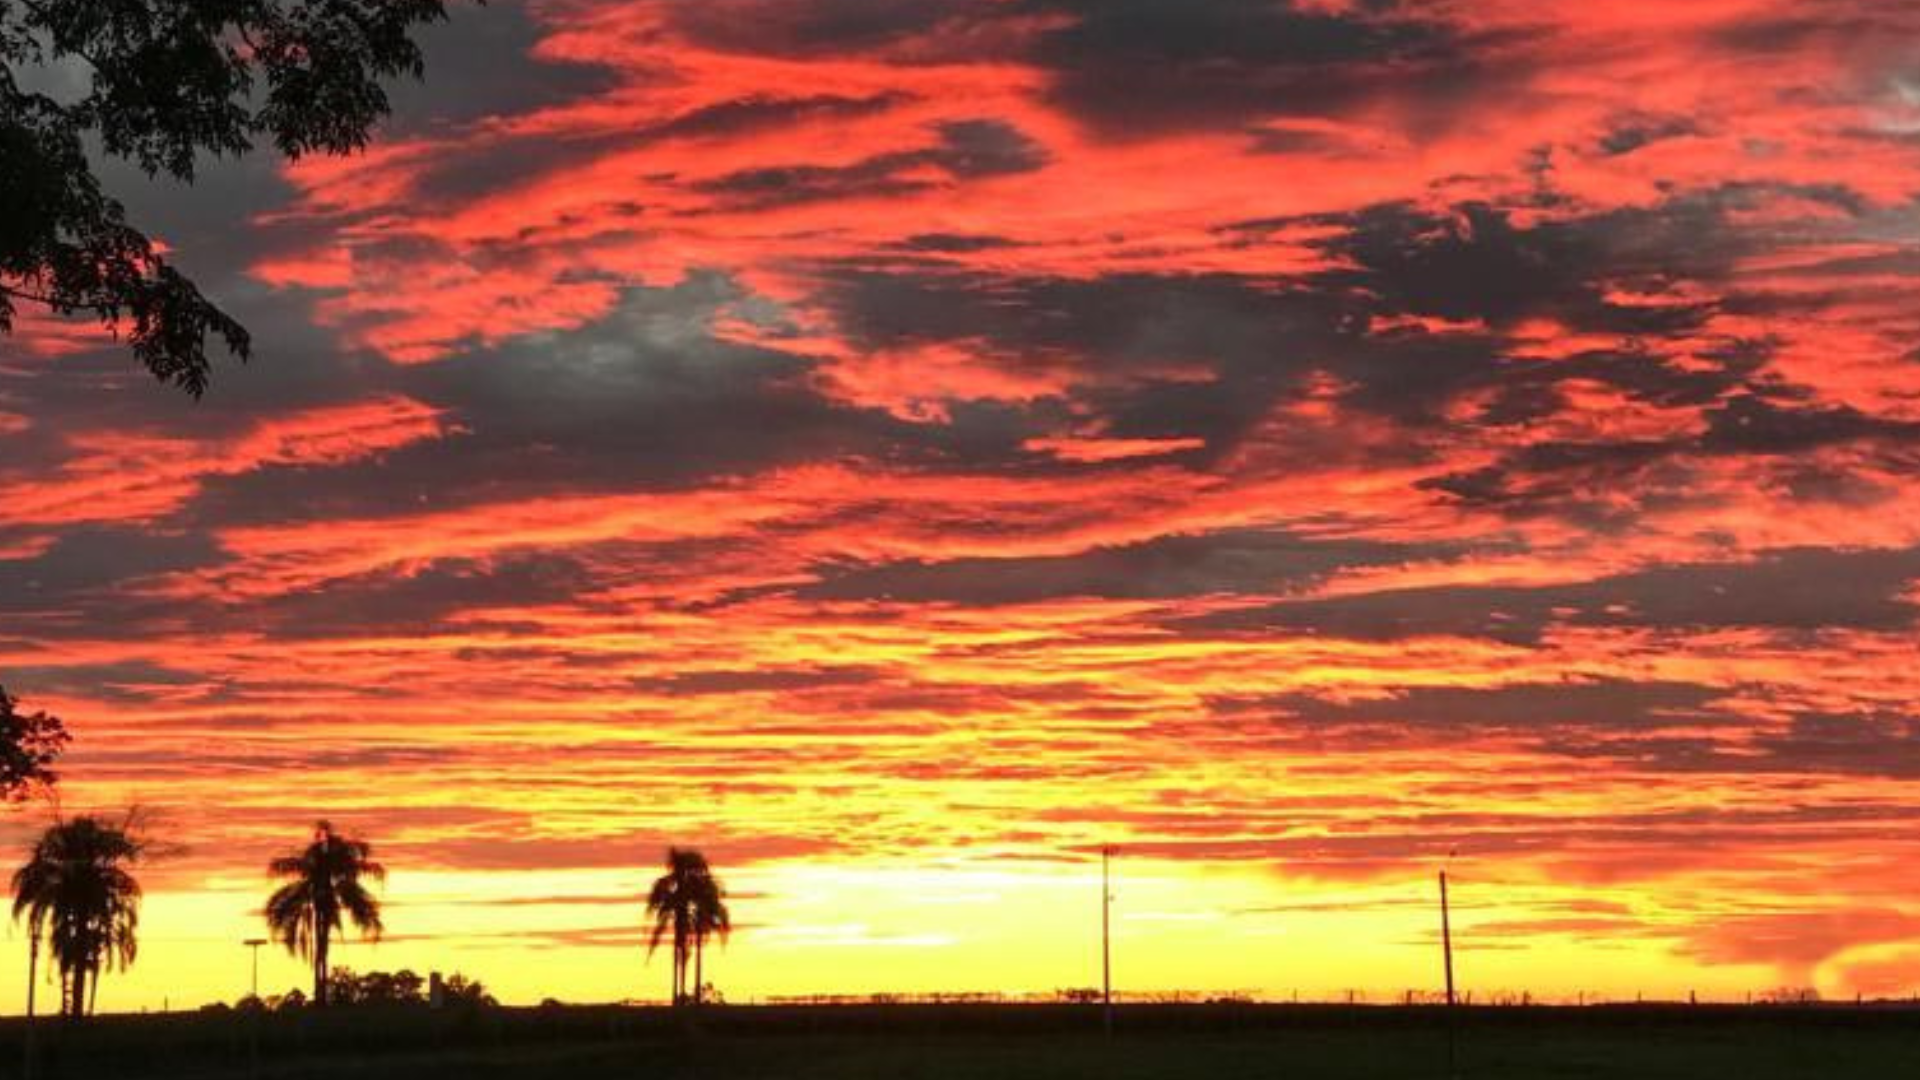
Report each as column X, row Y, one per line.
column 1002, row 1043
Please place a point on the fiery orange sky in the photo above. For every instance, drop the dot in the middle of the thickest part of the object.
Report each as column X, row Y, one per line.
column 901, row 446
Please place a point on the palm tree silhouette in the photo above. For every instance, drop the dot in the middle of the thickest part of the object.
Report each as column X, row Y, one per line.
column 689, row 902
column 77, row 891
column 322, row 883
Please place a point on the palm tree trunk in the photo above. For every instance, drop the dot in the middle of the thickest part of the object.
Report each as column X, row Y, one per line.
column 33, row 981
column 77, row 992
column 699, row 977
column 93, row 990
column 320, row 943
column 679, row 957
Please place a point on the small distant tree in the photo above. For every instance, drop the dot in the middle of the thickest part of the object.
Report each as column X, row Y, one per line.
column 29, row 744
column 324, row 883
column 403, row 987
column 458, row 990
column 163, row 82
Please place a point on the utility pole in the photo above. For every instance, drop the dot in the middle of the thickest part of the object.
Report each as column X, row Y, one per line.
column 254, row 944
column 1446, row 951
column 1106, row 936
column 1446, row 937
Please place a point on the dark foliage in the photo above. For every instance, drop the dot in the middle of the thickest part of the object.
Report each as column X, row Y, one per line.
column 403, row 987
column 29, row 742
column 168, row 80
column 345, row 987
column 688, row 903
column 77, row 892
column 322, row 885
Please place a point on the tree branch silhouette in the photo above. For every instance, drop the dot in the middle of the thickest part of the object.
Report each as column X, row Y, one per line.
column 170, row 80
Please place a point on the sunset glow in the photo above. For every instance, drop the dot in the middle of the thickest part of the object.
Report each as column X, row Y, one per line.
column 901, row 446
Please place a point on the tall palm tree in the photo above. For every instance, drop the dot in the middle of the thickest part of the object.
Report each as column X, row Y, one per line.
column 690, row 903
column 77, row 891
column 322, row 883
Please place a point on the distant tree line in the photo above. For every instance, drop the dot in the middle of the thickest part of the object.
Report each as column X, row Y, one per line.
column 403, row 988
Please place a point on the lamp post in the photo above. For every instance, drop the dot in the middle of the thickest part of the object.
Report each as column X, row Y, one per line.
column 252, row 1015
column 253, row 944
column 1446, row 937
column 1446, row 951
column 1106, row 937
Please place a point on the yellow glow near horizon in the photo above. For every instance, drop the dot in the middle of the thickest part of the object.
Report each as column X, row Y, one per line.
column 1031, row 931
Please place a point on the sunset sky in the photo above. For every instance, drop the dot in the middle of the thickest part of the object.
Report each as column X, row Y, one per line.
column 899, row 446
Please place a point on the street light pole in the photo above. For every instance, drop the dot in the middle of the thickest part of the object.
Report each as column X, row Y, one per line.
column 254, row 945
column 1446, row 936
column 1446, row 949
column 1106, row 937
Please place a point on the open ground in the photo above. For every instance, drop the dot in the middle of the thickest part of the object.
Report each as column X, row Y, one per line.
column 1005, row 1042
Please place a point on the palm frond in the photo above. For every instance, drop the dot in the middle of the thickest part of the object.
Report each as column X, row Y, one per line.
column 322, row 882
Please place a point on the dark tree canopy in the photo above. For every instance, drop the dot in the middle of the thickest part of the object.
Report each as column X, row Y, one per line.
column 78, row 890
column 404, row 987
column 166, row 80
column 29, row 743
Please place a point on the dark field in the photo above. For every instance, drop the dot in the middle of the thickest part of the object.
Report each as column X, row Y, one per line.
column 998, row 1042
